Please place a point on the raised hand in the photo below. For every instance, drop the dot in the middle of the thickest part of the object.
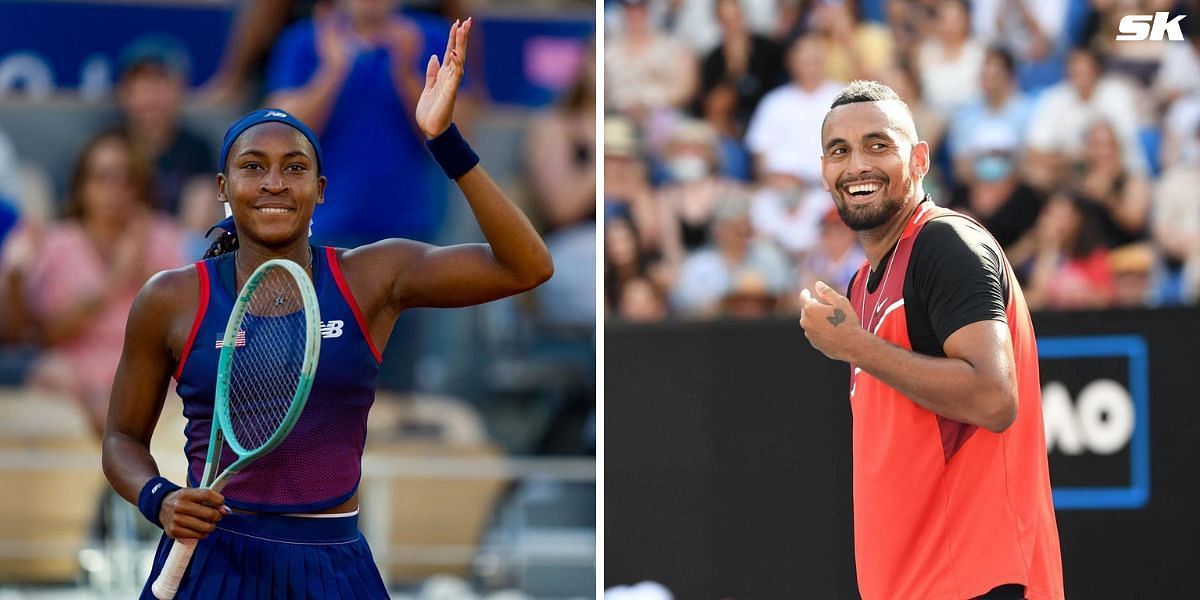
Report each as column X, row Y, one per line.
column 829, row 322
column 335, row 49
column 435, row 108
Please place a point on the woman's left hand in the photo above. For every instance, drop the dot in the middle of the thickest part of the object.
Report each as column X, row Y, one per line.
column 435, row 108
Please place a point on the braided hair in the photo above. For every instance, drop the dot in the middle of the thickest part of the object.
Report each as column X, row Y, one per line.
column 226, row 242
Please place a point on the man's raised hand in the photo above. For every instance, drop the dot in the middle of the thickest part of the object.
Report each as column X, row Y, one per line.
column 829, row 322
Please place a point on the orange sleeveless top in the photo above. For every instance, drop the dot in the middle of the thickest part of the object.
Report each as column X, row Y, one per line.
column 944, row 510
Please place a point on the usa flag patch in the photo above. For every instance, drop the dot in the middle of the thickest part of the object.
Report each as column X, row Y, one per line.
column 238, row 341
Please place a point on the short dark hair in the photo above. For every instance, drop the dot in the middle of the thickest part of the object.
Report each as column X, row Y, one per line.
column 865, row 91
column 869, row 91
column 1005, row 57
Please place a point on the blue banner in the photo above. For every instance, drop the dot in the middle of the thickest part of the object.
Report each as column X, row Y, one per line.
column 530, row 62
column 53, row 47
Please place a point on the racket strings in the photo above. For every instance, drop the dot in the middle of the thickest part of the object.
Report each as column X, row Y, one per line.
column 267, row 359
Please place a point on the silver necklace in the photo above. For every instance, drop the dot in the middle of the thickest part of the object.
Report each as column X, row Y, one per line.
column 887, row 272
column 279, row 298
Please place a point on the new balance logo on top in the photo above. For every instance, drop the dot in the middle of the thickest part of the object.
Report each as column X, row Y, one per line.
column 329, row 329
column 1150, row 27
column 275, row 113
column 332, row 329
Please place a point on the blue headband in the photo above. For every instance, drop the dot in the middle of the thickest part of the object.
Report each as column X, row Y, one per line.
column 267, row 115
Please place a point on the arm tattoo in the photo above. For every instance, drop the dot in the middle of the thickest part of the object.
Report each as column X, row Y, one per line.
column 838, row 317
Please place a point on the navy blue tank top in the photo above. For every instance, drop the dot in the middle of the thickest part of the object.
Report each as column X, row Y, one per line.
column 319, row 464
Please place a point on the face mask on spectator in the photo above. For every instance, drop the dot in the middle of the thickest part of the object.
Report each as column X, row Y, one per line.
column 990, row 167
column 791, row 197
column 688, row 168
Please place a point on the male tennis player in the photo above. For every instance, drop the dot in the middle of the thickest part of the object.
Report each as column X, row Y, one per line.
column 951, row 486
column 286, row 527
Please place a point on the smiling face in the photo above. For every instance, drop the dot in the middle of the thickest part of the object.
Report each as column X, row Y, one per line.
column 872, row 163
column 271, row 184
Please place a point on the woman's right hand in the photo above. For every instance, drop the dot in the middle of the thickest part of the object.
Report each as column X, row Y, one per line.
column 191, row 513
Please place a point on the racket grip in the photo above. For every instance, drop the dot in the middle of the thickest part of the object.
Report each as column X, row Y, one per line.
column 167, row 584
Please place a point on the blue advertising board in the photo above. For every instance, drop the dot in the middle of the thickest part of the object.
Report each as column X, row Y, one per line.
column 47, row 48
column 1101, row 413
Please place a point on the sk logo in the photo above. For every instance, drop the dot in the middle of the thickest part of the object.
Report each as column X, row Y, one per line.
column 1150, row 27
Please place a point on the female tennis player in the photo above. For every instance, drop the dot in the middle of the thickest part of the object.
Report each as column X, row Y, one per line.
column 286, row 527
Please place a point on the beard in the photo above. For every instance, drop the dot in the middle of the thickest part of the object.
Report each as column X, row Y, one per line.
column 864, row 217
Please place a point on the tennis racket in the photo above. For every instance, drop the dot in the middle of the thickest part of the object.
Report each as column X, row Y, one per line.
column 268, row 359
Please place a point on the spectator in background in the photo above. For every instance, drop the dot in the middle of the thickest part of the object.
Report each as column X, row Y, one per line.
column 1133, row 269
column 1003, row 110
column 627, row 191
column 910, row 22
column 560, row 156
column 8, row 220
column 788, row 120
column 994, row 193
column 250, row 37
column 786, row 211
column 10, row 174
column 1176, row 226
column 1137, row 60
column 709, row 275
column 150, row 94
column 10, row 213
column 1120, row 197
column 633, row 282
column 1026, row 28
column 624, row 258
column 689, row 200
column 931, row 123
column 697, row 22
column 561, row 163
column 719, row 111
column 646, row 72
column 72, row 284
column 748, row 63
column 835, row 259
column 1179, row 126
column 950, row 61
column 1179, row 72
column 642, row 301
column 1058, row 128
column 852, row 49
column 1070, row 267
column 750, row 296
column 353, row 73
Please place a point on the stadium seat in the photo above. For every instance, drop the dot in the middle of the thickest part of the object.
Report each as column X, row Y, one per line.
column 49, row 455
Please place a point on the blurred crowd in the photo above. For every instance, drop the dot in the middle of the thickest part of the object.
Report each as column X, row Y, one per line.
column 1081, row 154
column 141, row 196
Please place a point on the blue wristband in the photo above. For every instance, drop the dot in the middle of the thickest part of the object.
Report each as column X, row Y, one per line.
column 452, row 152
column 151, row 498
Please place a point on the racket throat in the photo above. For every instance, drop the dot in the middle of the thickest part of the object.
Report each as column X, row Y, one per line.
column 223, row 479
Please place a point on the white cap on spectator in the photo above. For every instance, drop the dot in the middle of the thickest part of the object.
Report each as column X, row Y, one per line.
column 620, row 137
column 786, row 163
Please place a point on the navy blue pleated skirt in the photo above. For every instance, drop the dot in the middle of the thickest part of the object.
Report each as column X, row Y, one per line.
column 268, row 557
